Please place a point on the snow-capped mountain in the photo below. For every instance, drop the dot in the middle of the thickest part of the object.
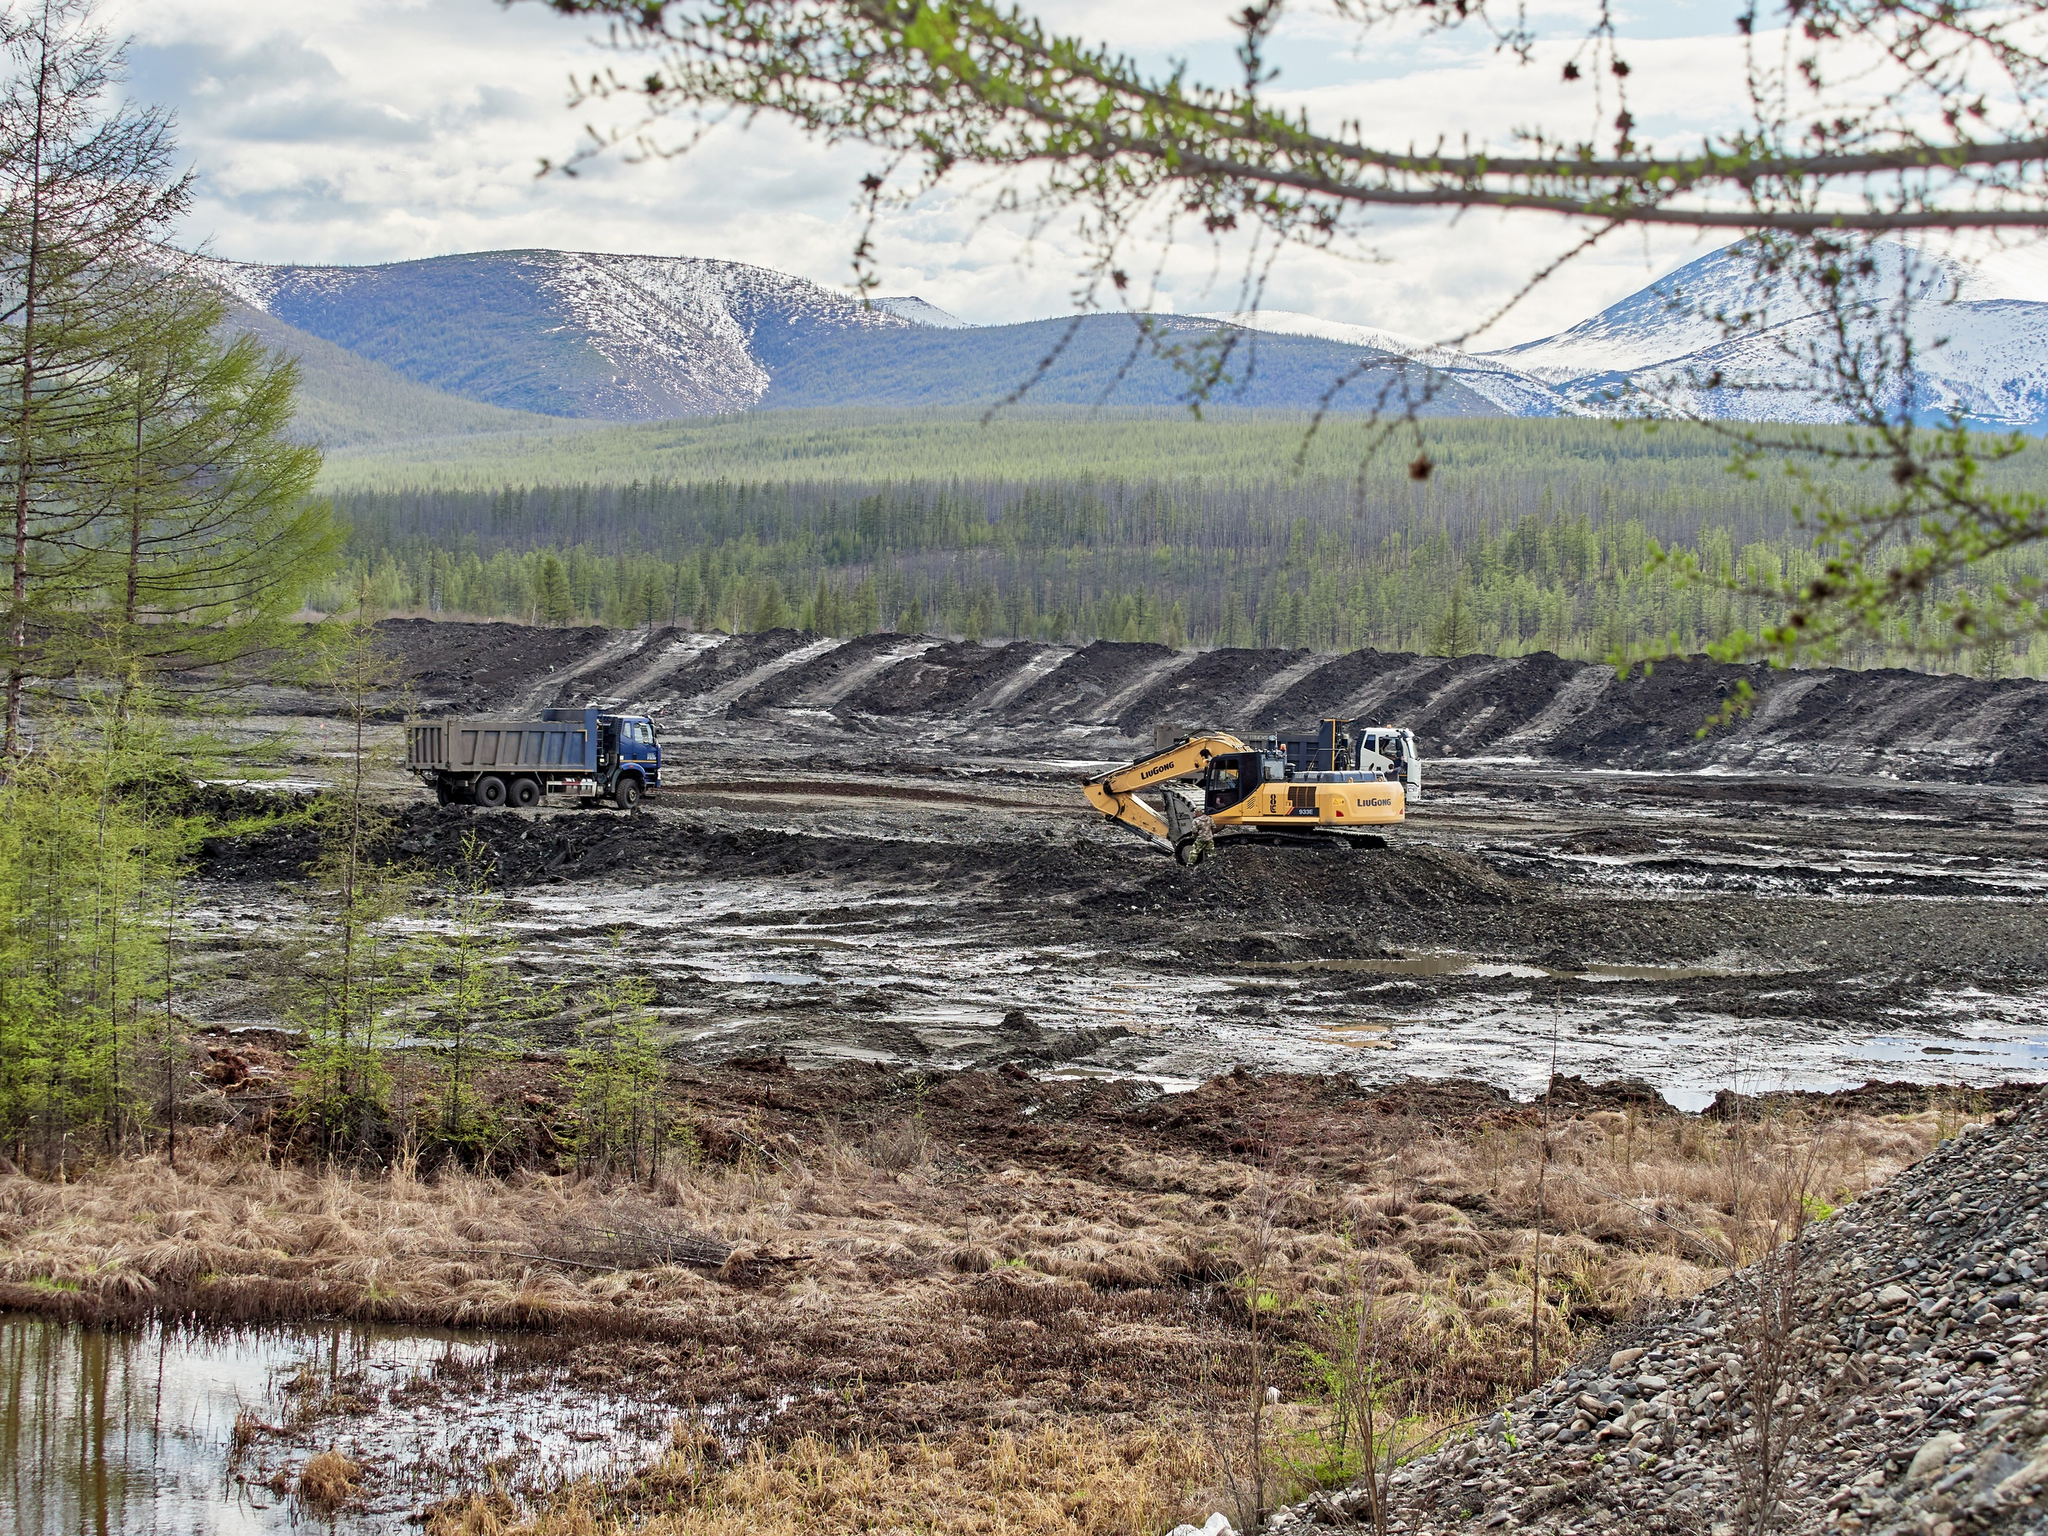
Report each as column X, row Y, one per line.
column 1710, row 340
column 567, row 333
column 1514, row 390
column 918, row 312
column 641, row 338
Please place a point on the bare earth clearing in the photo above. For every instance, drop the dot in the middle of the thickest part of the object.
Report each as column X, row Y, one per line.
column 1026, row 1160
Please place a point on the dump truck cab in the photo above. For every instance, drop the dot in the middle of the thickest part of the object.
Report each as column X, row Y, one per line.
column 629, row 744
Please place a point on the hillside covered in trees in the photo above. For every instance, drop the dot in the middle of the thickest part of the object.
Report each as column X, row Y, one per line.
column 1530, row 535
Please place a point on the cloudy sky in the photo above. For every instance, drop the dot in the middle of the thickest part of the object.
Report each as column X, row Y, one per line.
column 382, row 130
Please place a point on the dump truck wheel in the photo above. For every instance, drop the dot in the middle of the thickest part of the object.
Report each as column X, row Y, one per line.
column 626, row 793
column 490, row 791
column 525, row 793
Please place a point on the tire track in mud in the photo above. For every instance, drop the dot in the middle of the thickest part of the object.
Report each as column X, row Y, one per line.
column 1036, row 663
column 555, row 689
column 1256, row 710
column 1567, row 706
column 1387, row 697
column 815, row 678
column 1118, row 706
column 942, row 681
column 1074, row 690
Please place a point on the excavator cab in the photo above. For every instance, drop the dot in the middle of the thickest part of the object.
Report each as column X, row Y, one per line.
column 1231, row 777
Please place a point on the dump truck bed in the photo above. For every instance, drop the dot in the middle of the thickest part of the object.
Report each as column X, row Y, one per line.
column 479, row 745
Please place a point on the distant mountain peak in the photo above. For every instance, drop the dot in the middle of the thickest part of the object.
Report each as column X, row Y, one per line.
column 596, row 336
column 567, row 333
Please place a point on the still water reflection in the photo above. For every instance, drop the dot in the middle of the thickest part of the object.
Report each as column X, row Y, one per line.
column 134, row 1433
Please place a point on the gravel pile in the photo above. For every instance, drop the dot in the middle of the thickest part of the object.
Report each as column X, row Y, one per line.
column 1915, row 1394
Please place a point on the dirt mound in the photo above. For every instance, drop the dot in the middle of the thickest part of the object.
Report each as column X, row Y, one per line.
column 728, row 662
column 800, row 684
column 1876, row 1098
column 1279, row 884
column 1608, row 840
column 463, row 668
column 1904, row 724
column 946, row 677
column 1210, row 691
column 1077, row 688
column 1344, row 684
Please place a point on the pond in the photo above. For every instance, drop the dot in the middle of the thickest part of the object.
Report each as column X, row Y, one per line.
column 174, row 1430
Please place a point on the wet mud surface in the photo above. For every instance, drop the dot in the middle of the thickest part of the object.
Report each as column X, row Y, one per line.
column 826, row 879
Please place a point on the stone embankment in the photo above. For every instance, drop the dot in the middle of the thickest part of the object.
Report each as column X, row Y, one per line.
column 1911, row 1398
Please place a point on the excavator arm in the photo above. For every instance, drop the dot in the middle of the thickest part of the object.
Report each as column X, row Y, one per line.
column 1115, row 793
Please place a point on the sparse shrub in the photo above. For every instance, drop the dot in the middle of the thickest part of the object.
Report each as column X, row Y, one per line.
column 618, row 1076
column 472, row 1008
column 330, row 1480
column 348, row 967
column 899, row 1145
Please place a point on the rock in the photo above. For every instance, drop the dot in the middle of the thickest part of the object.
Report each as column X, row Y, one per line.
column 1933, row 1456
column 1890, row 1292
column 2032, row 1475
column 1218, row 1524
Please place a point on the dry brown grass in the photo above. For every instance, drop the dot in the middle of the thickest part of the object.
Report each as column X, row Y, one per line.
column 1068, row 1479
column 973, row 1293
column 329, row 1480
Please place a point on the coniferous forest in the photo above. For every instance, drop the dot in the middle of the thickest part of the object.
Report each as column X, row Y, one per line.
column 161, row 524
column 1530, row 535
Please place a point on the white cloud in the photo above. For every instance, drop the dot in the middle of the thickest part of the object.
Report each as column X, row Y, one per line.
column 381, row 130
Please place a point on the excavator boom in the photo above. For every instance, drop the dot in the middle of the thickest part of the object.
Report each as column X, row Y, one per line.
column 1115, row 793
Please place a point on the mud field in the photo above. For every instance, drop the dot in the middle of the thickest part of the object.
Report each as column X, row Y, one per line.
column 875, row 851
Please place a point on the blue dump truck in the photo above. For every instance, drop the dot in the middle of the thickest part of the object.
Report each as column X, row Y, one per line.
column 576, row 753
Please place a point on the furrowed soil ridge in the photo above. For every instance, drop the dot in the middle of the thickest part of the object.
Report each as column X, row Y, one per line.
column 1110, row 694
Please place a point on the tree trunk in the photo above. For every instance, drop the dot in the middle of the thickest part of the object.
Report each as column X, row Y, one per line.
column 17, row 635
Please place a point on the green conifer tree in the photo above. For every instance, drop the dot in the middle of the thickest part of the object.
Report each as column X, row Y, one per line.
column 772, row 612
column 473, row 1009
column 552, row 596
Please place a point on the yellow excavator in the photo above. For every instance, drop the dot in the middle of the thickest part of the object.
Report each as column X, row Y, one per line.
column 1329, row 789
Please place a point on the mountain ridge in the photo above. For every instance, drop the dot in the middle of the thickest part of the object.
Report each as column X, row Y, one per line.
column 568, row 336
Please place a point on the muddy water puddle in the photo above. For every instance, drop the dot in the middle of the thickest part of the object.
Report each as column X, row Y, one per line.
column 136, row 1433
column 1679, row 870
column 1450, row 964
column 837, row 966
column 930, row 987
